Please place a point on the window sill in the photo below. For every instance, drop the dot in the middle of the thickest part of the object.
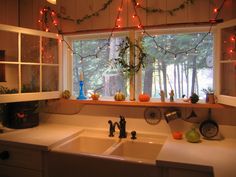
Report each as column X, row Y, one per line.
column 152, row 103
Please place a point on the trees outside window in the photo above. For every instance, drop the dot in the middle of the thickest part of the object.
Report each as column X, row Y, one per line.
column 188, row 73
column 101, row 74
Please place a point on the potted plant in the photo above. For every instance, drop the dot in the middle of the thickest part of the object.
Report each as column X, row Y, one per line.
column 210, row 96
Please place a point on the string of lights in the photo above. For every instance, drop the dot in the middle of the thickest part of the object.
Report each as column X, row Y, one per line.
column 166, row 51
column 47, row 13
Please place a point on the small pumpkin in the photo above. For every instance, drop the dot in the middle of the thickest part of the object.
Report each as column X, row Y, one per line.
column 95, row 96
column 119, row 96
column 66, row 94
column 143, row 97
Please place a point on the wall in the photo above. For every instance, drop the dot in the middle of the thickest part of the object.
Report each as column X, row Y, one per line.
column 91, row 116
column 25, row 13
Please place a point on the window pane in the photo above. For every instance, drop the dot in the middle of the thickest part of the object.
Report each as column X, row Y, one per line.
column 228, row 79
column 228, row 38
column 8, row 46
column 50, row 78
column 30, row 48
column 187, row 73
column 10, row 83
column 30, row 78
column 49, row 50
column 100, row 72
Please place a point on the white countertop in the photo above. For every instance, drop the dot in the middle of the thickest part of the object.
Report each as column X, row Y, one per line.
column 221, row 155
column 42, row 137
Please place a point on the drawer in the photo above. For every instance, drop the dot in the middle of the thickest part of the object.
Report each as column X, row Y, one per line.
column 6, row 171
column 22, row 157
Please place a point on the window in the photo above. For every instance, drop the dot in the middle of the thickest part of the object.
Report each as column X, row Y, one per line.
column 189, row 72
column 186, row 73
column 95, row 57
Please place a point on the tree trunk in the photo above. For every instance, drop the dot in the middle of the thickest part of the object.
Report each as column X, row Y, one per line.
column 148, row 79
column 178, row 74
column 159, row 75
column 164, row 77
column 182, row 79
column 175, row 88
column 194, row 68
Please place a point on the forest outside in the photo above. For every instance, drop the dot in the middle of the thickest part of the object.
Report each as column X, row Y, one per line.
column 187, row 73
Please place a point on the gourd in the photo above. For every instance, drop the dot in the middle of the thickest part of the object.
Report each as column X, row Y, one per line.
column 119, row 96
column 192, row 136
column 194, row 98
column 95, row 96
column 143, row 97
column 66, row 94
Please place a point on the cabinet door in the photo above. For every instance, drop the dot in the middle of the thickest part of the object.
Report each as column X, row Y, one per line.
column 7, row 171
column 226, row 63
column 30, row 64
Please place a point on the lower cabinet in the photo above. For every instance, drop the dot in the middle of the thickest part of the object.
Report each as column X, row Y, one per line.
column 186, row 172
column 16, row 162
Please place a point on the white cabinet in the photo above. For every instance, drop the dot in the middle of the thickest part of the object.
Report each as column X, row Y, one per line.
column 30, row 64
column 15, row 162
column 226, row 62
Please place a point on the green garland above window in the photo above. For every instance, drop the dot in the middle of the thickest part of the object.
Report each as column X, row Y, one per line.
column 159, row 10
column 147, row 9
column 123, row 48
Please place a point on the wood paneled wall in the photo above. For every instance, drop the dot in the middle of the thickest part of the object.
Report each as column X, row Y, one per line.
column 25, row 13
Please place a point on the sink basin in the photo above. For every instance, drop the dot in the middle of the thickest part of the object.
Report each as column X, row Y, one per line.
column 93, row 145
column 138, row 151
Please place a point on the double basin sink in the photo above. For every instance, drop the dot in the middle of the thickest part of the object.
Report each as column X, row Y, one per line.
column 144, row 149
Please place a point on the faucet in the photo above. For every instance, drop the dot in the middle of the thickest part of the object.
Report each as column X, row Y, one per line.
column 121, row 126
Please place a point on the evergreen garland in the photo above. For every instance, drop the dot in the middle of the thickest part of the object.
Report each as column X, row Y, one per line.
column 159, row 10
column 130, row 68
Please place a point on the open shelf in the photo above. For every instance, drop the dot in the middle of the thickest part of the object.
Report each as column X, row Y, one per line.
column 152, row 103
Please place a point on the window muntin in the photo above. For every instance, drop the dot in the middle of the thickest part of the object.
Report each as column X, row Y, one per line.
column 101, row 74
column 184, row 73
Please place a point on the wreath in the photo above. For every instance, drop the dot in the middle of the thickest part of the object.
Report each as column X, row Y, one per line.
column 123, row 48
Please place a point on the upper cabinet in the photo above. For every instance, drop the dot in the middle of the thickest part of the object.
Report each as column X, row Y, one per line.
column 30, row 64
column 226, row 63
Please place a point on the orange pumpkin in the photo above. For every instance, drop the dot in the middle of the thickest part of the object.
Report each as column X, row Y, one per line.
column 177, row 135
column 143, row 97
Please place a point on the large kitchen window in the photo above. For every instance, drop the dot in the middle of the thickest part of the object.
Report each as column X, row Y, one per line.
column 184, row 73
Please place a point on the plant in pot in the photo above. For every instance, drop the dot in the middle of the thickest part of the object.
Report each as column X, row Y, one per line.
column 210, row 96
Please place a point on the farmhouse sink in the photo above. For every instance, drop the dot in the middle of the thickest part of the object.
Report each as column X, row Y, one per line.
column 137, row 151
column 94, row 142
column 85, row 144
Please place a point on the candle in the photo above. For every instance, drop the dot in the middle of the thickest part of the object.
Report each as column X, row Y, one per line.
column 81, row 76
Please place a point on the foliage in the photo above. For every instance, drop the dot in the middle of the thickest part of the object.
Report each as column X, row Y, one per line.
column 6, row 90
column 159, row 10
column 123, row 48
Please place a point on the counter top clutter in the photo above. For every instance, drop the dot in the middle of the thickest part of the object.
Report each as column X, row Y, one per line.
column 217, row 157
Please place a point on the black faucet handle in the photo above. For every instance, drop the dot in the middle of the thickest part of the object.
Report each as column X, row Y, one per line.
column 111, row 129
column 133, row 135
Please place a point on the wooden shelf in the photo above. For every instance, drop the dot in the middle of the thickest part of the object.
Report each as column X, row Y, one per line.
column 177, row 103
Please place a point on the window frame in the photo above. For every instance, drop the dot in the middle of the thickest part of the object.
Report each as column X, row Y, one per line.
column 134, row 35
column 68, row 55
